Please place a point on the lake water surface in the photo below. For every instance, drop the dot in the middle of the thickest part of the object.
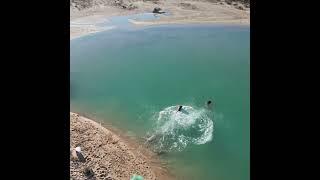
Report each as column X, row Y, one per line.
column 134, row 78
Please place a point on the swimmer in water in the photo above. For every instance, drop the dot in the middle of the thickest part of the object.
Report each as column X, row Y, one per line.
column 180, row 108
column 209, row 104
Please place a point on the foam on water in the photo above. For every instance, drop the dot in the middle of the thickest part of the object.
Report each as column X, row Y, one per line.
column 174, row 131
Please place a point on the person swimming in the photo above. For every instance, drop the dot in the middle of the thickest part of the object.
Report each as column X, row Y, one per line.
column 209, row 104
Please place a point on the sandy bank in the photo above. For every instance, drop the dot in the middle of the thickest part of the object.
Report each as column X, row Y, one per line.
column 109, row 155
column 181, row 12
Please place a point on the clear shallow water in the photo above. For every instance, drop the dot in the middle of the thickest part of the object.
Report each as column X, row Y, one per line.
column 123, row 21
column 127, row 77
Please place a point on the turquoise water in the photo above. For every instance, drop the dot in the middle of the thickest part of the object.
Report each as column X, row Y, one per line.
column 131, row 78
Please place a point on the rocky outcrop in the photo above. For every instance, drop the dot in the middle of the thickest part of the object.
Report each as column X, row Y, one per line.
column 129, row 4
column 238, row 4
column 85, row 4
column 104, row 155
column 241, row 1
column 157, row 10
column 125, row 5
column 188, row 6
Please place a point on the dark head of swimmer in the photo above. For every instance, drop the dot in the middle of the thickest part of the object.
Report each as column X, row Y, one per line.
column 209, row 104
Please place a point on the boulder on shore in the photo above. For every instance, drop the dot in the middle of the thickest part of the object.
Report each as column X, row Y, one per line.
column 88, row 172
column 157, row 10
column 240, row 6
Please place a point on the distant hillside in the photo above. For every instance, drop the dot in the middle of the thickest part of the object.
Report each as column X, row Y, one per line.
column 241, row 1
column 83, row 4
column 126, row 4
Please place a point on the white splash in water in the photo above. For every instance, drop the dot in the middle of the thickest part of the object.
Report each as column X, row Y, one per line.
column 175, row 130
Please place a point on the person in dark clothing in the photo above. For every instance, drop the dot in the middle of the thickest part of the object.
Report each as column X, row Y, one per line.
column 180, row 108
column 209, row 104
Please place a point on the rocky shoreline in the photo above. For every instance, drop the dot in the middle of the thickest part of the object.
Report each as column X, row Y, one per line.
column 181, row 12
column 130, row 4
column 106, row 155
